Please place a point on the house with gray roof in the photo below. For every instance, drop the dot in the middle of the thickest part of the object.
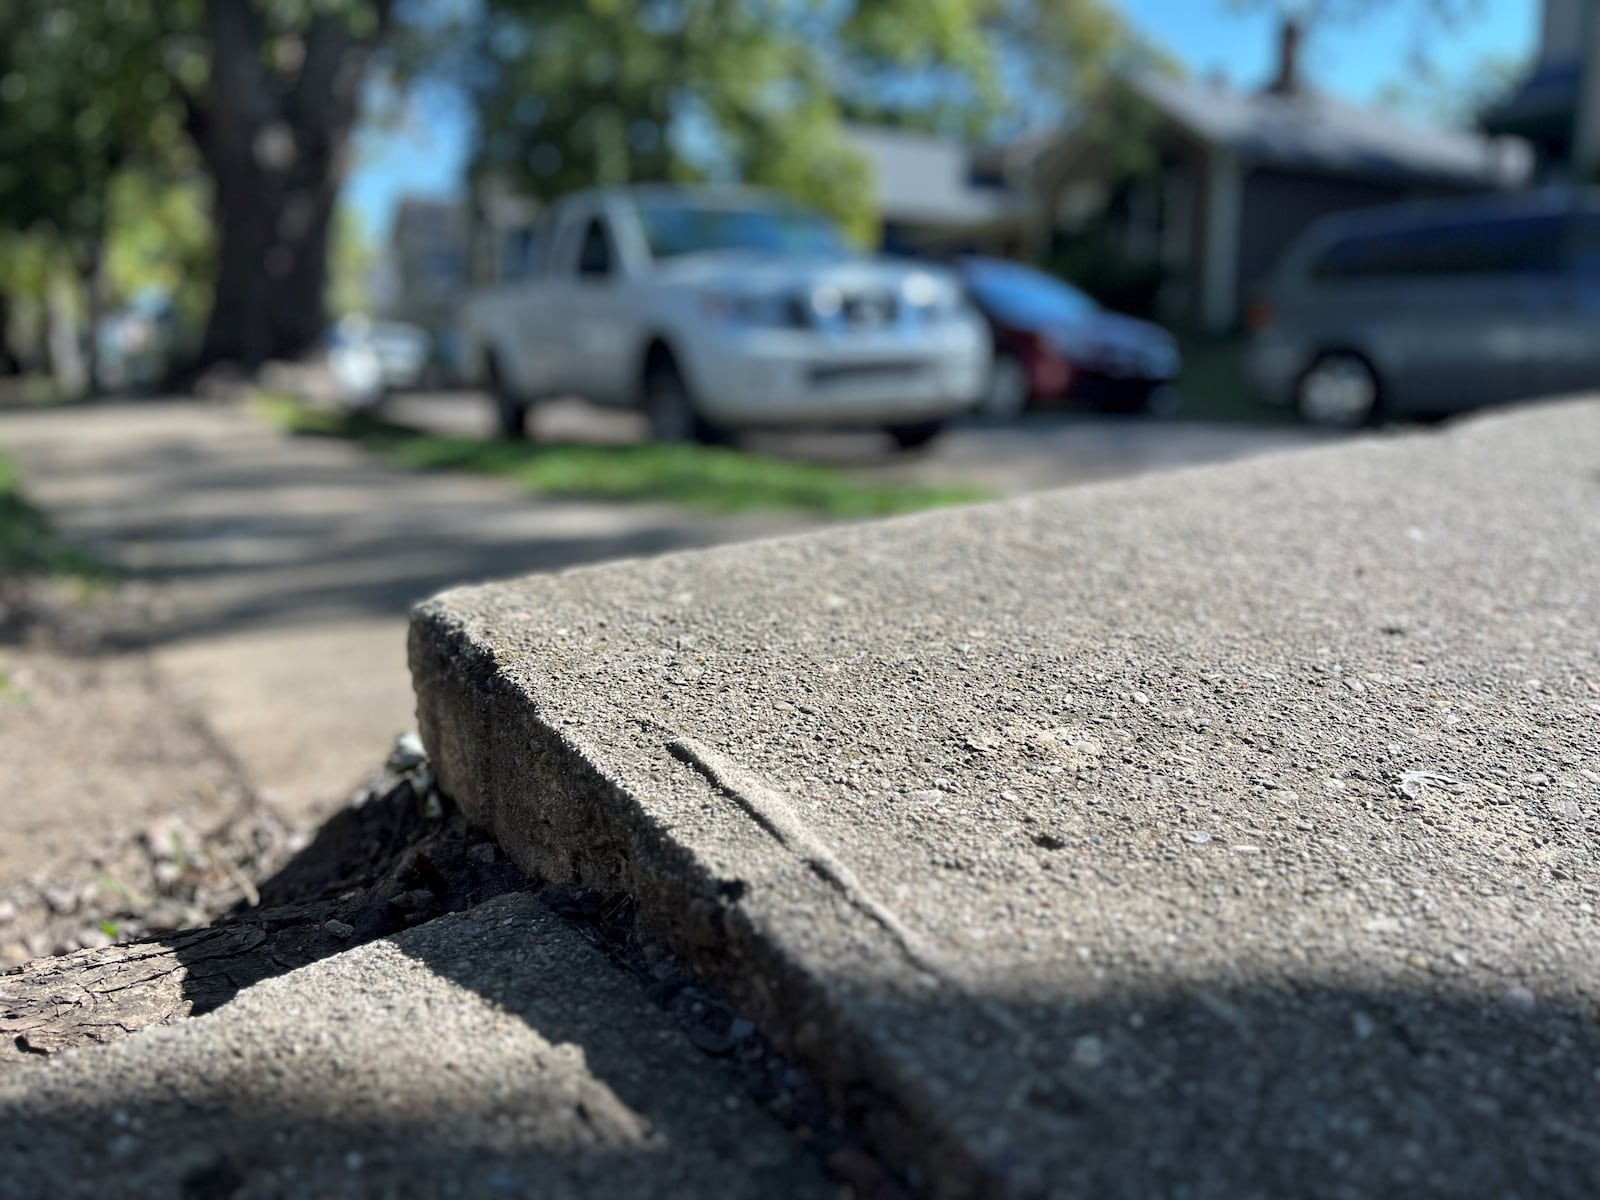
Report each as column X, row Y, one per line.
column 1228, row 178
column 932, row 192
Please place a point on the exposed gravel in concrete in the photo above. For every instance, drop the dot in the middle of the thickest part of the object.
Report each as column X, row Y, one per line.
column 1229, row 833
column 489, row 1053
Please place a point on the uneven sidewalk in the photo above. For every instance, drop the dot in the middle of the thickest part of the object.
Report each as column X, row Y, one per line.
column 1228, row 833
column 487, row 1053
column 281, row 570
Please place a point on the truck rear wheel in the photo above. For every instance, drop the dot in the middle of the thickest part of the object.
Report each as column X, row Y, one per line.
column 510, row 410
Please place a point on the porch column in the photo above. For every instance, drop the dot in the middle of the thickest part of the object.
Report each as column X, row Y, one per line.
column 1219, row 277
column 1586, row 117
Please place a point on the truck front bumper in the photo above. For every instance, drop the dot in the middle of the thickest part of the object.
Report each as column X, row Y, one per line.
column 797, row 377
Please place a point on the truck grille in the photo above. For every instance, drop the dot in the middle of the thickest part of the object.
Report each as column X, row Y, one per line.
column 866, row 309
column 869, row 310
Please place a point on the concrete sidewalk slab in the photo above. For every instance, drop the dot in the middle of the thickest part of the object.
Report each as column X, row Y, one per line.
column 490, row 1053
column 282, row 568
column 1226, row 833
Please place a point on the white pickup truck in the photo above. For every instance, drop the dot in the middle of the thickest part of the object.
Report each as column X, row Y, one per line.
column 717, row 309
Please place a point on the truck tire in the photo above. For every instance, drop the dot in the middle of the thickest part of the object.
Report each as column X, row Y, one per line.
column 915, row 436
column 510, row 410
column 670, row 407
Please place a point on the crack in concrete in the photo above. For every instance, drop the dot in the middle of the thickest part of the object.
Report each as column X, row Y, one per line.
column 774, row 812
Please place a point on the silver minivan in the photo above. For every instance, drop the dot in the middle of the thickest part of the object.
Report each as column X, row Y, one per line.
column 1432, row 308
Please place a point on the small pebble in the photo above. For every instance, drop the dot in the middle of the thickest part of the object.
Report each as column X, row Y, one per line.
column 1363, row 1025
column 1198, row 836
column 1520, row 999
column 354, row 1161
column 339, row 929
column 1141, row 697
column 710, row 1040
column 1089, row 1052
column 408, row 753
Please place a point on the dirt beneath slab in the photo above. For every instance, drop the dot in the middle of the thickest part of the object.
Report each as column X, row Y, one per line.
column 123, row 814
column 396, row 857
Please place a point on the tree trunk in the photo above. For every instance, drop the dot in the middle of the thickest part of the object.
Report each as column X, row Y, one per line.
column 275, row 139
column 94, row 295
column 62, row 346
column 9, row 363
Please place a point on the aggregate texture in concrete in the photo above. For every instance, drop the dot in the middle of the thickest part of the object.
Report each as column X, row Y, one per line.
column 488, row 1053
column 1227, row 833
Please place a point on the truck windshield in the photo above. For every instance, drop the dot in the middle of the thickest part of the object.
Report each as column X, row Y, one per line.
column 674, row 227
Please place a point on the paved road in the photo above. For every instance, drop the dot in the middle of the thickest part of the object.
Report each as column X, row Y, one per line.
column 286, row 567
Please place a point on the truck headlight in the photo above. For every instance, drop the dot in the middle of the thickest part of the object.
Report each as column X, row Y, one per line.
column 760, row 310
column 931, row 300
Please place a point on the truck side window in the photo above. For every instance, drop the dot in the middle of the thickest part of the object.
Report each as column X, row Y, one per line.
column 594, row 259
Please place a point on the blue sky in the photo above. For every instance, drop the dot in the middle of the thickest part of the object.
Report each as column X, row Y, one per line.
column 425, row 153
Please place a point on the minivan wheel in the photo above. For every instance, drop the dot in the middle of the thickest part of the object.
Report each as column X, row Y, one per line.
column 1339, row 391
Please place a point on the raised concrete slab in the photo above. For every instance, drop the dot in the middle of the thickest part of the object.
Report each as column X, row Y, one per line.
column 1227, row 833
column 490, row 1053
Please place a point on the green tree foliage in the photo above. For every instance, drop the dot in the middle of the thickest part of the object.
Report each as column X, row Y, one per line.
column 83, row 100
column 161, row 240
column 254, row 97
column 353, row 260
column 1453, row 99
column 82, row 96
column 571, row 93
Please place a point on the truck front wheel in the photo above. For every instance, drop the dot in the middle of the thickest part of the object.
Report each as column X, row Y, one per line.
column 670, row 407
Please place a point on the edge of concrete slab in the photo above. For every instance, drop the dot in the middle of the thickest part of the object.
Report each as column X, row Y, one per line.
column 490, row 755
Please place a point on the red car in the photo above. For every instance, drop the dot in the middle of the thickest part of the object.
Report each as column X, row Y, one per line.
column 1055, row 347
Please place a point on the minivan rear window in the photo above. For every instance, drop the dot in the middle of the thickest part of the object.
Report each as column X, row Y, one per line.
column 1498, row 246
